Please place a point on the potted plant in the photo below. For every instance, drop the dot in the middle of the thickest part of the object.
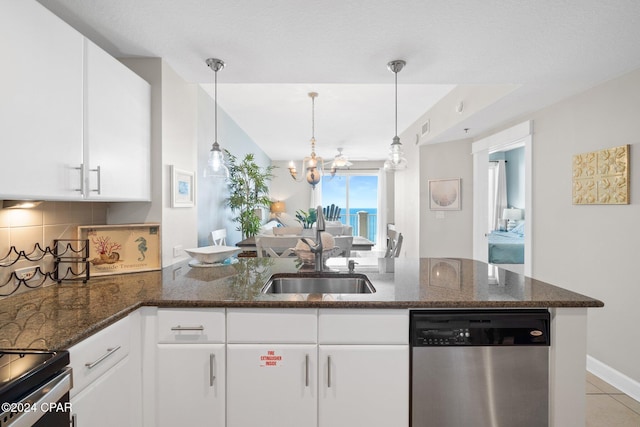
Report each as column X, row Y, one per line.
column 306, row 219
column 248, row 191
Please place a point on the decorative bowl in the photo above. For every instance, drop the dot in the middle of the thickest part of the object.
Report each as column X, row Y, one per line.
column 212, row 254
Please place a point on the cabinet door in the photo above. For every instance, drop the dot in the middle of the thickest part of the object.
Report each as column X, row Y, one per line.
column 40, row 104
column 109, row 401
column 117, row 130
column 191, row 380
column 271, row 385
column 364, row 385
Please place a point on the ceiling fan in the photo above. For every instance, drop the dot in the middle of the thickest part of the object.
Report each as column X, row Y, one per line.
column 340, row 161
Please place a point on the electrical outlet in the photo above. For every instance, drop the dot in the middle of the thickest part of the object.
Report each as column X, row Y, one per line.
column 27, row 273
column 177, row 251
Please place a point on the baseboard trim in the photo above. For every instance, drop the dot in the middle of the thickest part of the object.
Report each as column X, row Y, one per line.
column 616, row 378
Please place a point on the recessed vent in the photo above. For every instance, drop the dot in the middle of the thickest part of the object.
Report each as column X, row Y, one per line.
column 426, row 127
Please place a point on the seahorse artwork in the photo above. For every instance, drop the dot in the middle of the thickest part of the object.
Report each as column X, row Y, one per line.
column 142, row 247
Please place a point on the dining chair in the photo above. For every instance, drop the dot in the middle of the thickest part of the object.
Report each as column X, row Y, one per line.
column 394, row 243
column 219, row 237
column 344, row 243
column 276, row 247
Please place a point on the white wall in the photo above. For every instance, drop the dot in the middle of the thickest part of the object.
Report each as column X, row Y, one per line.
column 173, row 136
column 447, row 233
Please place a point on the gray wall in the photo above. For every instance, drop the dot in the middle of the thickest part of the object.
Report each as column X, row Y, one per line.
column 591, row 249
column 447, row 233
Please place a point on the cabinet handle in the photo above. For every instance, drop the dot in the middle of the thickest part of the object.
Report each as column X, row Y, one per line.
column 81, row 169
column 329, row 371
column 188, row 328
column 98, row 174
column 212, row 362
column 306, row 371
column 109, row 352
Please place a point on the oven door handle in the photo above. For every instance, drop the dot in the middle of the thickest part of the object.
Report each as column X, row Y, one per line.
column 43, row 398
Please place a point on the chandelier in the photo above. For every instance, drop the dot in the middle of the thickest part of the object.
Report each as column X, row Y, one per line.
column 312, row 164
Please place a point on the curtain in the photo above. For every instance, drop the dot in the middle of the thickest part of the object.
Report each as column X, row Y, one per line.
column 381, row 241
column 497, row 192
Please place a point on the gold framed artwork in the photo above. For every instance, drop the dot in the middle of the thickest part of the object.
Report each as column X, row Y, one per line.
column 126, row 248
column 444, row 194
column 601, row 177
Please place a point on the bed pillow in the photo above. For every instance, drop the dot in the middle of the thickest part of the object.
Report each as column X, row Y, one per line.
column 518, row 229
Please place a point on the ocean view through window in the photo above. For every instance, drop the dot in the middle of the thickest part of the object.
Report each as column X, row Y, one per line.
column 357, row 196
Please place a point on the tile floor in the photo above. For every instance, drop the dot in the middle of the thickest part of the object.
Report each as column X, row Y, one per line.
column 609, row 407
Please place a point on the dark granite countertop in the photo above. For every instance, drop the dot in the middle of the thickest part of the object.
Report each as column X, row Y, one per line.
column 58, row 316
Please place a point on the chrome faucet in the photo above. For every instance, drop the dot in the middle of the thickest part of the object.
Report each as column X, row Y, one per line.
column 317, row 249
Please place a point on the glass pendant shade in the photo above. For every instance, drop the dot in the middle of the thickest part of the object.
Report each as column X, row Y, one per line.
column 215, row 164
column 216, row 167
column 396, row 160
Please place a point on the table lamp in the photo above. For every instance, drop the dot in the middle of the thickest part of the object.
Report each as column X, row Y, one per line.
column 511, row 215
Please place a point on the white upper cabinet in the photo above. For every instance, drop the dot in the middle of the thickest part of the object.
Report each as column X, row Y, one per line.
column 41, row 102
column 74, row 121
column 117, row 129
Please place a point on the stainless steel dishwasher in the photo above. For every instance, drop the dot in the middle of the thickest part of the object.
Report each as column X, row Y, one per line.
column 479, row 368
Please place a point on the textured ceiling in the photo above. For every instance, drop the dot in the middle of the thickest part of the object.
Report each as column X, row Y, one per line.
column 279, row 50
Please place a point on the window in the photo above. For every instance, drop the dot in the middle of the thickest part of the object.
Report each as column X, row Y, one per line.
column 357, row 197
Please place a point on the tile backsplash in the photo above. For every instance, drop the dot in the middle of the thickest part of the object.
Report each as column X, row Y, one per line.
column 23, row 228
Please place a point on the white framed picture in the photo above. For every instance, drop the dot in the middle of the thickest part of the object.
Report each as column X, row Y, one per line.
column 182, row 188
column 444, row 194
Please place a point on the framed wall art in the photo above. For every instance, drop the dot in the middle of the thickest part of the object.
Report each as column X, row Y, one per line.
column 601, row 177
column 182, row 188
column 444, row 194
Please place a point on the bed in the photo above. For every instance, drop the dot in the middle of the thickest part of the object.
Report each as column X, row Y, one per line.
column 507, row 247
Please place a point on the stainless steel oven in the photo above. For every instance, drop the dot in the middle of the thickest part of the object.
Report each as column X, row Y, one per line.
column 34, row 388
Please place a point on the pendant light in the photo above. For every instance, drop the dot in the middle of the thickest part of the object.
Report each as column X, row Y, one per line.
column 396, row 161
column 215, row 164
column 312, row 164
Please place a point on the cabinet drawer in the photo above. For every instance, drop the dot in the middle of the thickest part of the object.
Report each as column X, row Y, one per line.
column 272, row 326
column 366, row 326
column 95, row 355
column 197, row 325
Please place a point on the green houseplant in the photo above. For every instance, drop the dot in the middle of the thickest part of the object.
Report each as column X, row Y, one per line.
column 248, row 191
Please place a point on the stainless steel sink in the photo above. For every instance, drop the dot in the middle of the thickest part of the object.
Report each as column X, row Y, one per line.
column 318, row 283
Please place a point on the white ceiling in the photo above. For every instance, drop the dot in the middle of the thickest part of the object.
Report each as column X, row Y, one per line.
column 277, row 51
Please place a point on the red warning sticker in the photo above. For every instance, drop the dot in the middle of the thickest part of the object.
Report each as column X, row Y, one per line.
column 271, row 359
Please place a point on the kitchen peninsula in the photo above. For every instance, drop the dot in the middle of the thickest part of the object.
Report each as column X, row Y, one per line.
column 61, row 316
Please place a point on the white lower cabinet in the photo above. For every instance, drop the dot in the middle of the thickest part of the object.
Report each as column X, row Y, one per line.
column 364, row 385
column 190, row 368
column 350, row 368
column 108, row 401
column 107, row 379
column 191, row 380
column 272, row 385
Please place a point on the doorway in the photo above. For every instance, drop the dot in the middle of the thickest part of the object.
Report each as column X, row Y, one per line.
column 517, row 137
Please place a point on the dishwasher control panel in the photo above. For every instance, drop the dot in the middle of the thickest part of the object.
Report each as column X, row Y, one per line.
column 444, row 336
column 479, row 328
